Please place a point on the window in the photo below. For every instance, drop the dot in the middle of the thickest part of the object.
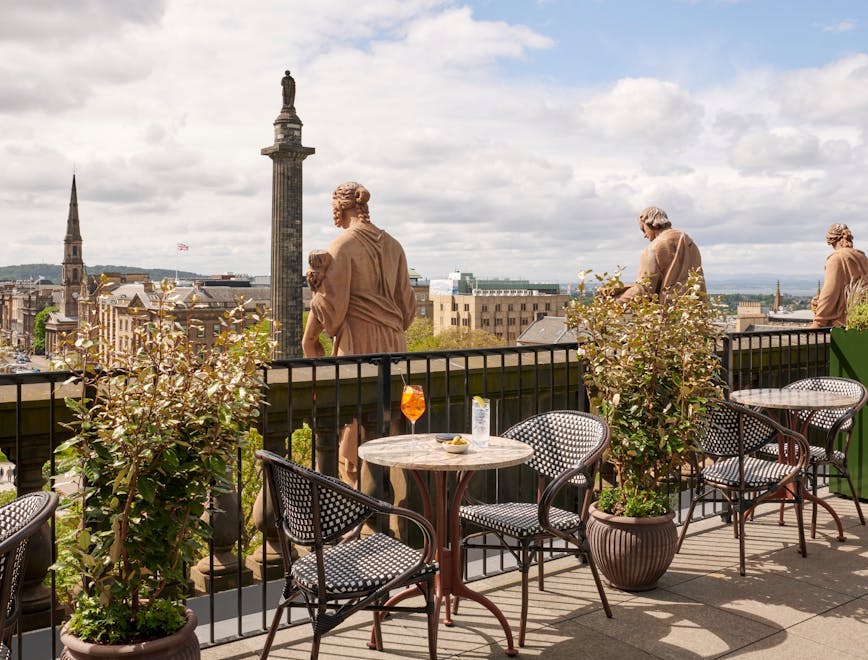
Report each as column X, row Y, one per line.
column 497, row 307
column 511, row 321
column 486, row 322
column 423, row 311
column 215, row 330
column 455, row 307
column 465, row 322
column 454, row 321
column 485, row 308
column 441, row 307
column 523, row 307
column 466, row 307
column 548, row 306
column 200, row 331
column 509, row 308
column 421, row 297
column 535, row 306
column 498, row 321
column 524, row 320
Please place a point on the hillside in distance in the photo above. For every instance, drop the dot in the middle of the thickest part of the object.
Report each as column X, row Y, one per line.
column 52, row 272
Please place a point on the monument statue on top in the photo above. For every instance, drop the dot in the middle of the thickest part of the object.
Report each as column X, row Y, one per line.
column 288, row 84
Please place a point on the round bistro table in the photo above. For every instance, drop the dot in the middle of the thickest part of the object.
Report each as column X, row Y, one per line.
column 424, row 454
column 791, row 403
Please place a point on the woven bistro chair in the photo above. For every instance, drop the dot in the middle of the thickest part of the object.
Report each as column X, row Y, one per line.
column 835, row 423
column 19, row 520
column 343, row 573
column 567, row 448
column 732, row 436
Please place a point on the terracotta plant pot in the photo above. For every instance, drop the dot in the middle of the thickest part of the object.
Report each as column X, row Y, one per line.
column 183, row 645
column 632, row 553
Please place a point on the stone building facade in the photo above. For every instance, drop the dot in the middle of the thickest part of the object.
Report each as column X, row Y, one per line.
column 505, row 308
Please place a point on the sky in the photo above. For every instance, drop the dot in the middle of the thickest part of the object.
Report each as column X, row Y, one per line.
column 508, row 138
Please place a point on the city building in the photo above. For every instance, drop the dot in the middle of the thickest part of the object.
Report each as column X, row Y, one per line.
column 503, row 307
column 121, row 308
column 421, row 290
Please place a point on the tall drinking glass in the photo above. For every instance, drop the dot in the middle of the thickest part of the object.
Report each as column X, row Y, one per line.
column 413, row 405
column 480, row 421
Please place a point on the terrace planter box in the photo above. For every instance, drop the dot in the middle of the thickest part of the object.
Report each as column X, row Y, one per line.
column 849, row 359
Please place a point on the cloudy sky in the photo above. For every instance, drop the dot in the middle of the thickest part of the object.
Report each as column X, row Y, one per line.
column 505, row 137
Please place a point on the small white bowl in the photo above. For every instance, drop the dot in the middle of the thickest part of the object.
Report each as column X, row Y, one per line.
column 455, row 449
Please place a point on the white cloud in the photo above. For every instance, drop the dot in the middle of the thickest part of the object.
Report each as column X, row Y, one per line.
column 846, row 25
column 471, row 164
column 652, row 110
column 836, row 93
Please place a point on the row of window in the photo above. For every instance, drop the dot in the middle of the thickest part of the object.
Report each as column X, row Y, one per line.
column 497, row 308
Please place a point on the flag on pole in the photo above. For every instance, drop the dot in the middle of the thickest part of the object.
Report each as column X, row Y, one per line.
column 183, row 247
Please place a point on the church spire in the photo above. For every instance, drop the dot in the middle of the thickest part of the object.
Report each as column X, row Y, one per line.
column 72, row 270
column 73, row 232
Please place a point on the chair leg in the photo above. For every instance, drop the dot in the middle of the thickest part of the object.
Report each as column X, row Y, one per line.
column 814, row 470
column 314, row 646
column 800, row 519
column 683, row 527
column 524, row 567
column 599, row 584
column 740, row 517
column 377, row 632
column 540, row 564
column 275, row 622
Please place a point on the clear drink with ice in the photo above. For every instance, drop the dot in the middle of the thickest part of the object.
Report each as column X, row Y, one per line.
column 480, row 421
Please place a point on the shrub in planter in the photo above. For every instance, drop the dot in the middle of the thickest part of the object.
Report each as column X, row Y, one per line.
column 651, row 369
column 156, row 433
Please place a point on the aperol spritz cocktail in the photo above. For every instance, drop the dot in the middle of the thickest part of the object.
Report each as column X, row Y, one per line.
column 412, row 405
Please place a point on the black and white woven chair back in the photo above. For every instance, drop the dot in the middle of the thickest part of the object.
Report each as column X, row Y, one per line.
column 560, row 440
column 296, row 485
column 19, row 520
column 726, row 421
column 826, row 419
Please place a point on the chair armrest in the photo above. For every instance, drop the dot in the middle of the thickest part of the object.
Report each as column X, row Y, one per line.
column 586, row 467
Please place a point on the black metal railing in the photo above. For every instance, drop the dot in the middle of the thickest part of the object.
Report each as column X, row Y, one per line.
column 358, row 395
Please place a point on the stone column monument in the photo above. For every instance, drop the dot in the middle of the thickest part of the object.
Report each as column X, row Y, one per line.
column 287, row 275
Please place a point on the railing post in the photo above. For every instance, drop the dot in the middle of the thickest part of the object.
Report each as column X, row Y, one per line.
column 384, row 396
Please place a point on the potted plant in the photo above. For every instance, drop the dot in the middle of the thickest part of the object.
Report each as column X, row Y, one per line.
column 156, row 433
column 650, row 368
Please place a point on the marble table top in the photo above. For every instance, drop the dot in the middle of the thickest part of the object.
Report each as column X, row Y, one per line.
column 784, row 399
column 428, row 454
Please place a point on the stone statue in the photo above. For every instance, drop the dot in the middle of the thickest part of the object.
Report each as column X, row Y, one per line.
column 288, row 84
column 667, row 261
column 844, row 267
column 363, row 299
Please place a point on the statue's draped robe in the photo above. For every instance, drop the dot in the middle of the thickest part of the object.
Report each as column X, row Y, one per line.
column 844, row 267
column 666, row 262
column 366, row 301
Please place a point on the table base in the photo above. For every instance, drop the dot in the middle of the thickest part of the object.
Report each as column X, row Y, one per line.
column 448, row 582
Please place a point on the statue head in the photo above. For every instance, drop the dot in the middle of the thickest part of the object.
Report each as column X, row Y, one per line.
column 839, row 235
column 654, row 219
column 350, row 195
